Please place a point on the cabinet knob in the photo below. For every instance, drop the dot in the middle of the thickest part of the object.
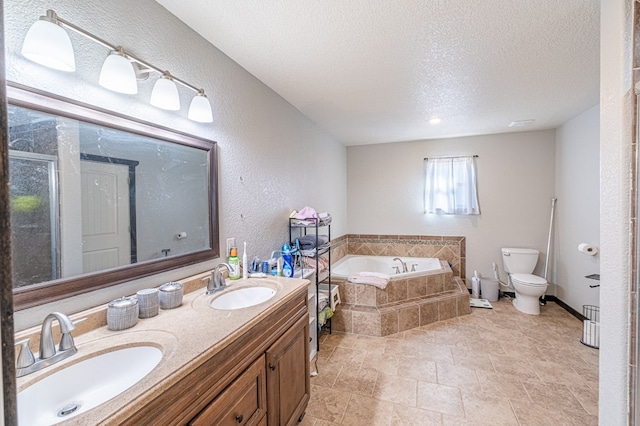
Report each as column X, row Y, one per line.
column 239, row 418
column 272, row 367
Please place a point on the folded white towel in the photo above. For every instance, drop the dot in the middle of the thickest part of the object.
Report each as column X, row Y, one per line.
column 377, row 279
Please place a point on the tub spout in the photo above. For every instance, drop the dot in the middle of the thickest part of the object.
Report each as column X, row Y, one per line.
column 404, row 265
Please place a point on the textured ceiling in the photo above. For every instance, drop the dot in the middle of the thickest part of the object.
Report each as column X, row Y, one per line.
column 373, row 71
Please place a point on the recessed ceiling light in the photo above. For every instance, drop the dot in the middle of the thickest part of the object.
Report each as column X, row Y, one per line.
column 435, row 120
column 521, row 123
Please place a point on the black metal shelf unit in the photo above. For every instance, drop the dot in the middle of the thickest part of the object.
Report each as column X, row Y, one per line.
column 302, row 227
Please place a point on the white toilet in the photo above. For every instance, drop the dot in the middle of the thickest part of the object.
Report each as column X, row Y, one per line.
column 519, row 263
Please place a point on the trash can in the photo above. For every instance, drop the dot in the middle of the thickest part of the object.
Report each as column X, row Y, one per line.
column 489, row 288
column 591, row 326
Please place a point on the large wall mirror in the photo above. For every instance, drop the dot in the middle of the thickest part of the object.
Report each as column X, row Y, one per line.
column 98, row 199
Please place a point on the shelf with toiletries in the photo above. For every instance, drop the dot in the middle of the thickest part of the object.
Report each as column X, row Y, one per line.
column 310, row 240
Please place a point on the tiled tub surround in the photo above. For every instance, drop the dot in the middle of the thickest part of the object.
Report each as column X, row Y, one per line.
column 404, row 304
column 449, row 248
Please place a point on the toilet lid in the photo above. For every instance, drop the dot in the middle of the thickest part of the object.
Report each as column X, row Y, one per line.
column 529, row 279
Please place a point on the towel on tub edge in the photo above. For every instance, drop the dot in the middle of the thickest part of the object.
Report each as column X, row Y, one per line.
column 377, row 279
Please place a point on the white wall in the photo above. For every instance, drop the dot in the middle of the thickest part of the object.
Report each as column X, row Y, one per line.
column 515, row 187
column 577, row 218
column 616, row 124
column 272, row 159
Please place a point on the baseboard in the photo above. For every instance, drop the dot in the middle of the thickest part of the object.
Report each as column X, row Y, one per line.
column 549, row 298
column 566, row 307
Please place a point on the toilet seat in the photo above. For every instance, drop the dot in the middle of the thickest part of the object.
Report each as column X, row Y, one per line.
column 529, row 280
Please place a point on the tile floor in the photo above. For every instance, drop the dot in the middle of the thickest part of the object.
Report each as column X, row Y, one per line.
column 493, row 367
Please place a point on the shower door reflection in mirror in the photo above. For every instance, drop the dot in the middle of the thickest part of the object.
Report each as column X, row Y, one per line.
column 33, row 193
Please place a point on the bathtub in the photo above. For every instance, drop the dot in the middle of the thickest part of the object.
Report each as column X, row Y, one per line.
column 352, row 264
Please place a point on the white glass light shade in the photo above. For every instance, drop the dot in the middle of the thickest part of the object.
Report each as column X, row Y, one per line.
column 48, row 44
column 200, row 109
column 117, row 74
column 165, row 94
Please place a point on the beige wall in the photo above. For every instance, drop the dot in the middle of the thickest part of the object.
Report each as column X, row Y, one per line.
column 578, row 209
column 515, row 186
column 272, row 159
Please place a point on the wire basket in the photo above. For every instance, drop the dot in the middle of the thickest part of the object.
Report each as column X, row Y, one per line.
column 591, row 326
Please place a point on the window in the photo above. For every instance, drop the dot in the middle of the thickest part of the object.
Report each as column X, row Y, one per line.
column 450, row 186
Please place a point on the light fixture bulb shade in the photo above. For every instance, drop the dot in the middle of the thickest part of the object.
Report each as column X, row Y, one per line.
column 200, row 109
column 117, row 74
column 49, row 44
column 165, row 94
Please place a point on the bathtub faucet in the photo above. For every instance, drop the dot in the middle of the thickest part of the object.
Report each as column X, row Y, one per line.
column 404, row 265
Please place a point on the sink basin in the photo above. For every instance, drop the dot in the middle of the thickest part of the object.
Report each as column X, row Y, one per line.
column 84, row 385
column 242, row 298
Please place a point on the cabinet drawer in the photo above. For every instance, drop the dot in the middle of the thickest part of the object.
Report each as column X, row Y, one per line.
column 243, row 402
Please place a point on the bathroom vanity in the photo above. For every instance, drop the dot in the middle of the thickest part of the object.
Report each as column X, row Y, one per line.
column 244, row 366
column 260, row 378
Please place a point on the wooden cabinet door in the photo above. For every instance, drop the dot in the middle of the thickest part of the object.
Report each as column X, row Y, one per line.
column 242, row 403
column 288, row 384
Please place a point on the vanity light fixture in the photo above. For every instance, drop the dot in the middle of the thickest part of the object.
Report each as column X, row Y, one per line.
column 47, row 43
column 200, row 109
column 165, row 94
column 117, row 74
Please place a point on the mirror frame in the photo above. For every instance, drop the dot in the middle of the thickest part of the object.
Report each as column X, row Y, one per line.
column 49, row 291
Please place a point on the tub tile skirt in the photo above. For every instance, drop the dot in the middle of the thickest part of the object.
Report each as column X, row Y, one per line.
column 403, row 305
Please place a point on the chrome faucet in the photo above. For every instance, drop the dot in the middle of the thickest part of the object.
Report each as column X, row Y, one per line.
column 48, row 355
column 216, row 282
column 404, row 265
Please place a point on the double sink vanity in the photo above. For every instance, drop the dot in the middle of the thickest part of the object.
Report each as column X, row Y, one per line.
column 237, row 357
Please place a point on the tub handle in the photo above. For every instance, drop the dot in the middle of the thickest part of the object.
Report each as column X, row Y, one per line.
column 397, row 269
column 413, row 267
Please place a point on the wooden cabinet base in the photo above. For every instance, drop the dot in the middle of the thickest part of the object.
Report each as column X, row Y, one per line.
column 237, row 384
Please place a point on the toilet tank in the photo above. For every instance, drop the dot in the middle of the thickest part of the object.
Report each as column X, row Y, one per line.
column 519, row 260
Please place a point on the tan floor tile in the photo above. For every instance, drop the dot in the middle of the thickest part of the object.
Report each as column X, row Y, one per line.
column 529, row 367
column 407, row 349
column 529, row 414
column 372, row 345
column 454, row 375
column 411, row 416
column 552, row 395
column 361, row 381
column 327, row 403
column 418, row 369
column 440, row 398
column 327, row 373
column 386, row 364
column 435, row 353
column 514, row 365
column 462, row 357
column 396, row 389
column 587, row 397
column 367, row 411
column 338, row 339
column 320, row 422
column 551, row 372
column 308, row 421
column 485, row 410
column 502, row 385
column 352, row 358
